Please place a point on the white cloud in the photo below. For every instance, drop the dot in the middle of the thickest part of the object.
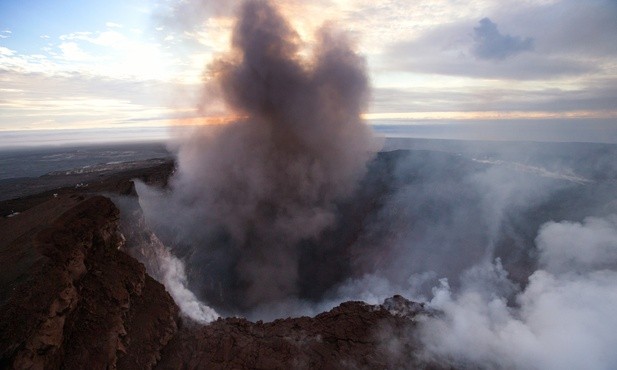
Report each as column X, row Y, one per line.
column 72, row 52
column 80, row 99
column 109, row 54
column 75, row 36
column 107, row 38
column 6, row 51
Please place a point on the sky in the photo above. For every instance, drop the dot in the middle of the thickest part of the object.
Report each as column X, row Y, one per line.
column 543, row 70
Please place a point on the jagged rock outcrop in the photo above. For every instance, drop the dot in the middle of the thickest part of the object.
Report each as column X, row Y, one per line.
column 354, row 335
column 84, row 304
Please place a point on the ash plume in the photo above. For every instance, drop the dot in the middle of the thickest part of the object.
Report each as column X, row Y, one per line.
column 246, row 195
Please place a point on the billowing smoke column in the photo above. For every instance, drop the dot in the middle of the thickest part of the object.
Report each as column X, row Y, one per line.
column 248, row 193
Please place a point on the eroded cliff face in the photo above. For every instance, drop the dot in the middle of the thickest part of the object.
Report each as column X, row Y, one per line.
column 85, row 304
column 82, row 302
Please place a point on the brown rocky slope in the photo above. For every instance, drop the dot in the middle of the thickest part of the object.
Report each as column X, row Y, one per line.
column 82, row 303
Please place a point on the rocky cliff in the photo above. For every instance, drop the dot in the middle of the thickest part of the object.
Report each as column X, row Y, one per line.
column 354, row 335
column 82, row 302
column 72, row 299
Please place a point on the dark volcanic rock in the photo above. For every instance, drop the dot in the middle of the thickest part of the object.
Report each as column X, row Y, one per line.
column 354, row 335
column 84, row 304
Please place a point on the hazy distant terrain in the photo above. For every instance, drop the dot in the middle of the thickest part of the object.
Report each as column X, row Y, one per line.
column 30, row 171
column 32, row 162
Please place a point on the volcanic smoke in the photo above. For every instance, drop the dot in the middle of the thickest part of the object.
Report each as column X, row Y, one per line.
column 283, row 212
column 247, row 194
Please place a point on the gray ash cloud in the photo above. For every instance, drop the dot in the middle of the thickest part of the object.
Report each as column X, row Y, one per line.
column 247, row 194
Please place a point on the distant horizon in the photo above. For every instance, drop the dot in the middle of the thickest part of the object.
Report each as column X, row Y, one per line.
column 602, row 131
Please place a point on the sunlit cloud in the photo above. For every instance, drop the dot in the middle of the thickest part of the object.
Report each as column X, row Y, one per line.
column 111, row 39
column 428, row 60
column 72, row 52
column 6, row 51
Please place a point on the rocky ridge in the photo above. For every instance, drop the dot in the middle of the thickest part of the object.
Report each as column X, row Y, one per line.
column 88, row 303
column 353, row 335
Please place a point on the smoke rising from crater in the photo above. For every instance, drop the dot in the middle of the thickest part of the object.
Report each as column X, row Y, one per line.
column 258, row 209
column 247, row 194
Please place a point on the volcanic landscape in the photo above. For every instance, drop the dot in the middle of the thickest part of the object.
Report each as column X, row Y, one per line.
column 293, row 237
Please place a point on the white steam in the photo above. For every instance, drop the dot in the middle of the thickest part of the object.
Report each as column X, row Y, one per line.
column 575, row 247
column 564, row 319
column 166, row 268
column 174, row 279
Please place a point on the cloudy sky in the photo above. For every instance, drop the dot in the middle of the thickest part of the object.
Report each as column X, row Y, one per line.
column 478, row 69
